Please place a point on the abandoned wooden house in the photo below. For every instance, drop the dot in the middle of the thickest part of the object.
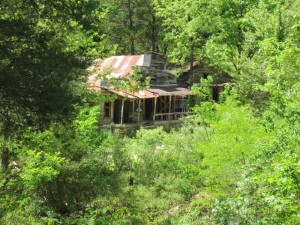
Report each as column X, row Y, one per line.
column 164, row 100
column 191, row 75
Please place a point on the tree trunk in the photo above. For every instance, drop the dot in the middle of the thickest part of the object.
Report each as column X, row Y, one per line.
column 5, row 149
column 280, row 32
column 192, row 64
column 191, row 40
column 130, row 17
column 153, row 34
column 5, row 158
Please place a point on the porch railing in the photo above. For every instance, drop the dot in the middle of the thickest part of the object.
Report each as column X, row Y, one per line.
column 171, row 116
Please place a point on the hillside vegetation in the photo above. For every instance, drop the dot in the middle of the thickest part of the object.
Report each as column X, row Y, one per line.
column 233, row 162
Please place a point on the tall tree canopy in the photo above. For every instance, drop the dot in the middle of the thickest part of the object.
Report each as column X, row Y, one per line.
column 133, row 26
column 44, row 47
column 187, row 26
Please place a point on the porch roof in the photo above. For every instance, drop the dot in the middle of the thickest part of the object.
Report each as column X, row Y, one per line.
column 152, row 92
column 133, row 95
column 170, row 90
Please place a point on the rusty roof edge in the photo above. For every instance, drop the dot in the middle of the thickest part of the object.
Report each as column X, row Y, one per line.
column 163, row 92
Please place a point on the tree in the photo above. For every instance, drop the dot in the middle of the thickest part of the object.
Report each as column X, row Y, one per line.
column 252, row 35
column 187, row 27
column 132, row 25
column 268, row 192
column 44, row 50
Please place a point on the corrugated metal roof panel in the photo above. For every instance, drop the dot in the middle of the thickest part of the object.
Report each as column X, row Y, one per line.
column 116, row 66
column 144, row 94
column 120, row 65
column 122, row 93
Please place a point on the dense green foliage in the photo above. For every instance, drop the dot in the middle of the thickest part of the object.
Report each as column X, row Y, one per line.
column 233, row 162
column 92, row 175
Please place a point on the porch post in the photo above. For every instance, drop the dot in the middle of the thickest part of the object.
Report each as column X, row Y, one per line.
column 170, row 105
column 112, row 110
column 154, row 111
column 182, row 103
column 139, row 111
column 122, row 110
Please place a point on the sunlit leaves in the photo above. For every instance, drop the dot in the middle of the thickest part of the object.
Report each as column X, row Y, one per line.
column 41, row 169
column 187, row 26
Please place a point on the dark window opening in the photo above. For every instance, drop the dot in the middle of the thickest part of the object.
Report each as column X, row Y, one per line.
column 205, row 75
column 215, row 94
column 107, row 109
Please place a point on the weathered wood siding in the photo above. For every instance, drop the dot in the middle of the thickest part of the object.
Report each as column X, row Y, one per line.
column 155, row 67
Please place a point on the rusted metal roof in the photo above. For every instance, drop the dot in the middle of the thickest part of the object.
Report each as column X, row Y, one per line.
column 172, row 90
column 119, row 66
column 122, row 93
column 94, row 81
column 114, row 67
column 144, row 94
column 94, row 88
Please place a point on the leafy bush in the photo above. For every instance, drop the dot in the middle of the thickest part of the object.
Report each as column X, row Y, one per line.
column 269, row 191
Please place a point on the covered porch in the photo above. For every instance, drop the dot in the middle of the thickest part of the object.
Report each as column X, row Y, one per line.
column 149, row 106
column 171, row 103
